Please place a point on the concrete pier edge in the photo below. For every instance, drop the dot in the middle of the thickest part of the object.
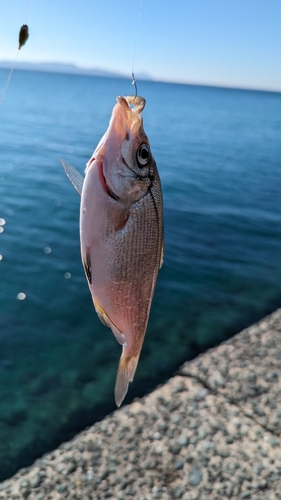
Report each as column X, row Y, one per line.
column 212, row 432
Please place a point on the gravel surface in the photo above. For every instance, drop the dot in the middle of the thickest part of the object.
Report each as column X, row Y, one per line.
column 212, row 432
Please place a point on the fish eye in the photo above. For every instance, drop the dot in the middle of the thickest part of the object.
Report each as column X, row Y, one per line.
column 143, row 154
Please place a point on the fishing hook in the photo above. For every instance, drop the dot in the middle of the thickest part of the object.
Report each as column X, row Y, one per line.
column 134, row 82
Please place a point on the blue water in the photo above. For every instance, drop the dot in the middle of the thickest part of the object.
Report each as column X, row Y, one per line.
column 219, row 156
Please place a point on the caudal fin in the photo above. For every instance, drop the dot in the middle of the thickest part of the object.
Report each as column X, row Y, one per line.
column 125, row 374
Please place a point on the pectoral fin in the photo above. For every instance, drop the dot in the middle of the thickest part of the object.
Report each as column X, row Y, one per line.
column 121, row 209
column 75, row 178
column 120, row 214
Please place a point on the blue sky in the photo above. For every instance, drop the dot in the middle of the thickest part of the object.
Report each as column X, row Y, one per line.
column 218, row 42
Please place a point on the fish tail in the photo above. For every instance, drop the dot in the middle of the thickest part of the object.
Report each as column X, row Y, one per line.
column 125, row 374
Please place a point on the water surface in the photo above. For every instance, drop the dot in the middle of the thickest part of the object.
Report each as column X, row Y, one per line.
column 218, row 152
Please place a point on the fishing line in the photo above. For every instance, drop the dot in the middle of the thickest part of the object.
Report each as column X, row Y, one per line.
column 134, row 52
column 27, row 9
column 9, row 78
column 23, row 36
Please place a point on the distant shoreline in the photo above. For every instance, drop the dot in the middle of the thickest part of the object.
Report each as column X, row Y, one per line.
column 72, row 69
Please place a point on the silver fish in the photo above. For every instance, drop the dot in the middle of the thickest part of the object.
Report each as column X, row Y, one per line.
column 121, row 231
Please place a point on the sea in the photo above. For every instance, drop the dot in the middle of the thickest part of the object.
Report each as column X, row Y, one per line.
column 218, row 151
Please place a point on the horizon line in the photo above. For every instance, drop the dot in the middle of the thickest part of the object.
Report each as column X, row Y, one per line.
column 107, row 73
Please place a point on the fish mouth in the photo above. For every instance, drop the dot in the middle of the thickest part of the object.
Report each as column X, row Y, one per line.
column 135, row 103
column 125, row 125
column 126, row 117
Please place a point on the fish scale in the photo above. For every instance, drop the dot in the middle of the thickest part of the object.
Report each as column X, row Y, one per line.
column 130, row 285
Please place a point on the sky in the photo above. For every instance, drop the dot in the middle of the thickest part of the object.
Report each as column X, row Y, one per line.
column 233, row 43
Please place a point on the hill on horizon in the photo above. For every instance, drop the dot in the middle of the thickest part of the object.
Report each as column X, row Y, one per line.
column 69, row 69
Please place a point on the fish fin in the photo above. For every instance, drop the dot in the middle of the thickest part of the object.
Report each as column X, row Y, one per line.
column 119, row 215
column 87, row 265
column 162, row 256
column 121, row 209
column 125, row 374
column 107, row 322
column 74, row 176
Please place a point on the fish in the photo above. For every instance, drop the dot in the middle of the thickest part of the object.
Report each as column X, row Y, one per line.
column 121, row 231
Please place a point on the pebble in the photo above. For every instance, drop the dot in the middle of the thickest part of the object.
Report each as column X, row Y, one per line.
column 195, row 475
column 216, row 380
column 263, row 484
column 208, row 445
column 259, row 411
column 229, row 440
column 66, row 446
column 178, row 465
column 176, row 492
column 61, row 487
column 89, row 475
column 273, row 441
column 245, row 494
column 175, row 418
column 130, row 490
column 257, row 469
column 156, row 493
column 71, row 468
column 24, row 483
column 182, row 440
column 35, row 482
column 201, row 394
column 175, row 448
column 4, row 486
